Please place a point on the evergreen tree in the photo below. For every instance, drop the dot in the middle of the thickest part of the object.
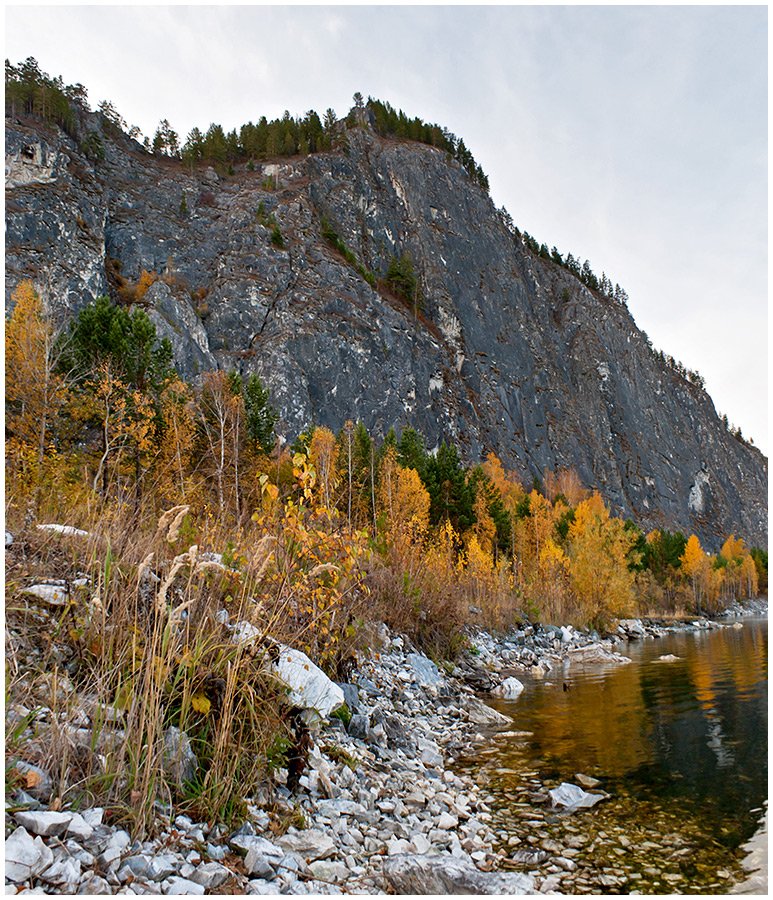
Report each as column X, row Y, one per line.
column 261, row 417
column 451, row 496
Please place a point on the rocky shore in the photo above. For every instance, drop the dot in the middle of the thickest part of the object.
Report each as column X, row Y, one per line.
column 381, row 806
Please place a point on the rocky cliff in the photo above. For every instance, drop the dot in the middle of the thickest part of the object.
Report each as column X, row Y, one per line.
column 509, row 352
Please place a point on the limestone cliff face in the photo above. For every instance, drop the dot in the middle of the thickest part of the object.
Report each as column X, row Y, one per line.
column 510, row 353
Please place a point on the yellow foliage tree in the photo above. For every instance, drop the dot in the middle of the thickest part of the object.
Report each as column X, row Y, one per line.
column 599, row 546
column 34, row 393
column 323, row 453
column 484, row 529
column 696, row 566
column 554, row 580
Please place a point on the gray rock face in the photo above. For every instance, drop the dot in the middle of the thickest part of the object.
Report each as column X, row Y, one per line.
column 441, row 875
column 511, row 353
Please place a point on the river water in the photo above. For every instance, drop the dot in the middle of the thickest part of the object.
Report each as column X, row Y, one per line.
column 680, row 746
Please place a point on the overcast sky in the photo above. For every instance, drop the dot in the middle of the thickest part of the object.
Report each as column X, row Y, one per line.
column 635, row 137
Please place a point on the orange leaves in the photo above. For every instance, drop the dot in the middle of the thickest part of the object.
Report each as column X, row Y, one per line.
column 405, row 503
column 599, row 546
column 323, row 456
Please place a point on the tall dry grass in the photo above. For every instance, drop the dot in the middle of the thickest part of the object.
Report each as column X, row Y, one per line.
column 143, row 645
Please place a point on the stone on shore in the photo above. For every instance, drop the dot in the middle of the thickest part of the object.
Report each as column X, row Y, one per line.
column 44, row 823
column 310, row 844
column 424, row 669
column 510, row 689
column 310, row 688
column 480, row 714
column 25, row 856
column 573, row 797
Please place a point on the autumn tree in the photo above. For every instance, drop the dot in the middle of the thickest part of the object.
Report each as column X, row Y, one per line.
column 696, row 566
column 35, row 391
column 404, row 503
column 323, row 454
column 599, row 547
column 119, row 368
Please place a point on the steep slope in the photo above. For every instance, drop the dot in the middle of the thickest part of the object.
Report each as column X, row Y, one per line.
column 511, row 353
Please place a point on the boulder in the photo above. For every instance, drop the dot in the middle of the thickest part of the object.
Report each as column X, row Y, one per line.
column 510, row 689
column 441, row 875
column 310, row 688
column 25, row 856
column 424, row 669
column 573, row 797
column 480, row 714
column 44, row 822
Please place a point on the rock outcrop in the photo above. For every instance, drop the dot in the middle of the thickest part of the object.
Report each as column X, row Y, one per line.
column 508, row 351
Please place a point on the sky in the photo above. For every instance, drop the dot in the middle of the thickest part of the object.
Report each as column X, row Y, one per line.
column 632, row 136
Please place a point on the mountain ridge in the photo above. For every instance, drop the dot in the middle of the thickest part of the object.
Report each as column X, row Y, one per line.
column 283, row 270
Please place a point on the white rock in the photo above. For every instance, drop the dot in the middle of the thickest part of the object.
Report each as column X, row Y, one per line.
column 25, row 856
column 94, row 884
column 668, row 657
column 8, row 539
column 53, row 594
column 64, row 529
column 44, row 822
column 573, row 797
column 257, row 864
column 79, row 827
column 247, row 842
column 93, row 816
column 329, row 871
column 310, row 844
column 177, row 885
column 65, row 872
column 420, row 843
column 397, row 846
column 210, row 875
column 480, row 714
column 509, row 689
column 309, row 687
column 424, row 670
column 446, row 821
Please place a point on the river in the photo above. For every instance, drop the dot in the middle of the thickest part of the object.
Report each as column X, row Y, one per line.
column 680, row 746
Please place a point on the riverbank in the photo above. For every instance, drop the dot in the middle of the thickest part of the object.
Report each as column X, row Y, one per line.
column 381, row 807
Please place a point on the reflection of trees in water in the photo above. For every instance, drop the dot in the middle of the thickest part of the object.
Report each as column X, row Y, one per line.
column 693, row 728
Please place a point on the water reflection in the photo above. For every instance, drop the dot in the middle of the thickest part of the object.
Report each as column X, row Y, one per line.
column 687, row 735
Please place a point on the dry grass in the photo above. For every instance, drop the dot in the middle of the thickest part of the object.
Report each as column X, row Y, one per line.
column 141, row 648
